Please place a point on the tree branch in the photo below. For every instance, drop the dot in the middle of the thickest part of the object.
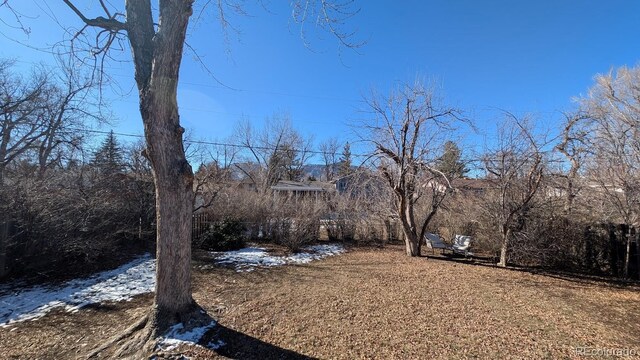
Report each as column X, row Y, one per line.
column 105, row 23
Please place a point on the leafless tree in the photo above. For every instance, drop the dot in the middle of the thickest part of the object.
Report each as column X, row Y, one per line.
column 212, row 177
column 76, row 215
column 142, row 180
column 329, row 149
column 157, row 46
column 66, row 114
column 22, row 105
column 516, row 167
column 277, row 152
column 613, row 105
column 407, row 130
column 42, row 116
column 575, row 147
column 361, row 208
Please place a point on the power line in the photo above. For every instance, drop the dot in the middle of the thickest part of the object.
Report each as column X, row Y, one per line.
column 244, row 146
column 213, row 143
column 226, row 113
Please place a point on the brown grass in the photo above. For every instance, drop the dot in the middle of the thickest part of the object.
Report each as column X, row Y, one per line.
column 371, row 304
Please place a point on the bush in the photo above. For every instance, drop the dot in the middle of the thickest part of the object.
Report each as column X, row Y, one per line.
column 74, row 220
column 224, row 235
column 299, row 232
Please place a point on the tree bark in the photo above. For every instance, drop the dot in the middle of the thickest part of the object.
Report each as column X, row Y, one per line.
column 412, row 245
column 411, row 241
column 173, row 176
column 504, row 248
column 157, row 55
column 627, row 255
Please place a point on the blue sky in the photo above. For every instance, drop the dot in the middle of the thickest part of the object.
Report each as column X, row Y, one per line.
column 522, row 56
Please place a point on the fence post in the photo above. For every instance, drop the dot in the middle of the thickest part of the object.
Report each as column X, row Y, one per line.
column 193, row 227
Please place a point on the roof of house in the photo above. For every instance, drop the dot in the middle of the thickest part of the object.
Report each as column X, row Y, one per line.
column 297, row 186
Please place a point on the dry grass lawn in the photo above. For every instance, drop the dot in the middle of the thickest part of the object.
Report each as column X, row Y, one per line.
column 371, row 304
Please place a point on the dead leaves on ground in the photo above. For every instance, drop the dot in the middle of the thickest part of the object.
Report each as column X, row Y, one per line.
column 372, row 304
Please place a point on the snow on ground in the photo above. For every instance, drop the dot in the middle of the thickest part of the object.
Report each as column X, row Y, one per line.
column 123, row 283
column 20, row 303
column 248, row 259
column 177, row 336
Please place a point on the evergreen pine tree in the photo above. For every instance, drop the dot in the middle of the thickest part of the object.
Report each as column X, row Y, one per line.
column 292, row 164
column 450, row 163
column 345, row 161
column 109, row 158
column 285, row 164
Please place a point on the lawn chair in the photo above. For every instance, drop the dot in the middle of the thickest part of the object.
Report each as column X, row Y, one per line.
column 433, row 242
column 461, row 245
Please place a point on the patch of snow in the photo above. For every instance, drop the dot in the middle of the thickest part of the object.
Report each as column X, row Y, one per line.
column 19, row 303
column 215, row 345
column 121, row 284
column 248, row 259
column 177, row 335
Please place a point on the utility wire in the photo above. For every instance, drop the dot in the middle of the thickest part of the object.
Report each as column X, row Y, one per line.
column 271, row 148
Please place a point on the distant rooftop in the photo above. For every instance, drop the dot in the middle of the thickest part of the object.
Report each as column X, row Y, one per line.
column 297, row 186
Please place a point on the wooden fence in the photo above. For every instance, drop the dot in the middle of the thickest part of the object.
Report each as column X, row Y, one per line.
column 200, row 224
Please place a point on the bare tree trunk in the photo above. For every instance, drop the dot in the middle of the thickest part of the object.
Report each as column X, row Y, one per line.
column 504, row 248
column 174, row 197
column 568, row 202
column 411, row 241
column 173, row 176
column 412, row 245
column 627, row 255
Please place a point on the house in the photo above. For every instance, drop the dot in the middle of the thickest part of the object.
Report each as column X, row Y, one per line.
column 361, row 183
column 247, row 184
column 297, row 190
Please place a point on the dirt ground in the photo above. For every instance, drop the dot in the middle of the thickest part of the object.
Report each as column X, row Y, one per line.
column 370, row 304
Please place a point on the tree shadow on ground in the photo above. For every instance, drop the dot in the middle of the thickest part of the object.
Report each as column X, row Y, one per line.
column 242, row 346
column 583, row 279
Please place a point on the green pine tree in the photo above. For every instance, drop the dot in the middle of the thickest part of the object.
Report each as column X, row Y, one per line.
column 285, row 164
column 344, row 167
column 109, row 158
column 450, row 163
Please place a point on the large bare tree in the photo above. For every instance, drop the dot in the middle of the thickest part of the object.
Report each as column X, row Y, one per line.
column 613, row 106
column 515, row 165
column 275, row 152
column 20, row 128
column 575, row 147
column 23, row 103
column 37, row 113
column 155, row 34
column 329, row 150
column 407, row 131
column 66, row 114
